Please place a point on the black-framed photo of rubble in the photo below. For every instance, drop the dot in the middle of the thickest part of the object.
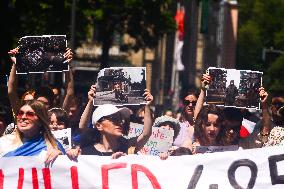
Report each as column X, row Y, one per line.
column 39, row 54
column 234, row 88
column 121, row 86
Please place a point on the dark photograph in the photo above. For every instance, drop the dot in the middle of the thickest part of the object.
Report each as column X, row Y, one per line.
column 38, row 54
column 234, row 88
column 121, row 86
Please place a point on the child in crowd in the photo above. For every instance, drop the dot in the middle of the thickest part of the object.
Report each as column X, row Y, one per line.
column 58, row 119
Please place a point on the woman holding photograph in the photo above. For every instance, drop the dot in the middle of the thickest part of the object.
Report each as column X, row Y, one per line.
column 111, row 126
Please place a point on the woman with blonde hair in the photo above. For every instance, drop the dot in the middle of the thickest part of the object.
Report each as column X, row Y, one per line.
column 32, row 135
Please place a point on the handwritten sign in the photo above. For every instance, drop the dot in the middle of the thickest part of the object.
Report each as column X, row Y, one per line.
column 161, row 140
column 258, row 168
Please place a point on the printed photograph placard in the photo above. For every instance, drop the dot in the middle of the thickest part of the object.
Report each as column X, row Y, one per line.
column 39, row 54
column 64, row 137
column 121, row 86
column 234, row 88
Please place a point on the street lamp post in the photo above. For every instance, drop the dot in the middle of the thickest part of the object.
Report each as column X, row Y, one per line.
column 271, row 50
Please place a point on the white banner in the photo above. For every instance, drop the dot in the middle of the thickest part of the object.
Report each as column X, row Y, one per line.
column 257, row 168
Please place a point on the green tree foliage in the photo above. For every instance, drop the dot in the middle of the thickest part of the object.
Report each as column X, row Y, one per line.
column 261, row 27
column 39, row 17
column 275, row 73
column 146, row 21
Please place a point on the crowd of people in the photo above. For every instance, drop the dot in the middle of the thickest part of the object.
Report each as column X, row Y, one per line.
column 103, row 130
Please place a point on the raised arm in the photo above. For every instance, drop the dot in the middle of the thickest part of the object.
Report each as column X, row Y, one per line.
column 199, row 104
column 86, row 116
column 69, row 82
column 266, row 123
column 148, row 122
column 13, row 82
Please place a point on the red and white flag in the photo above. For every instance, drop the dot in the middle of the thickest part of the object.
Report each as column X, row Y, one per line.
column 179, row 18
column 247, row 127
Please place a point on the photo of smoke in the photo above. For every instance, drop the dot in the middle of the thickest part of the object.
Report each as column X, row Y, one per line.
column 234, row 88
column 39, row 54
column 121, row 86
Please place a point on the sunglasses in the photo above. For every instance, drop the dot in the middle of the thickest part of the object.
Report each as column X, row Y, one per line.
column 29, row 115
column 113, row 118
column 188, row 102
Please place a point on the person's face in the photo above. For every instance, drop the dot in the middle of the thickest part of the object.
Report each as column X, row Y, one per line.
column 231, row 82
column 54, row 124
column 28, row 121
column 232, row 132
column 72, row 111
column 28, row 97
column 56, row 93
column 211, row 128
column 190, row 102
column 45, row 101
column 169, row 113
column 111, row 125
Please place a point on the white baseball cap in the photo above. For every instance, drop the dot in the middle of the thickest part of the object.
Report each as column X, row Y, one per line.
column 108, row 109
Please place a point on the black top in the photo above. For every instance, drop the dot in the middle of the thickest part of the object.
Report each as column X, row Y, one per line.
column 124, row 144
column 91, row 150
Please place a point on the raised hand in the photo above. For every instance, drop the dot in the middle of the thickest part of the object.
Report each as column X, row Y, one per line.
column 148, row 97
column 263, row 95
column 68, row 55
column 92, row 92
column 12, row 53
column 205, row 80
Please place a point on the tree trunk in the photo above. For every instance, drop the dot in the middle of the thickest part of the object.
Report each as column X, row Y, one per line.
column 105, row 53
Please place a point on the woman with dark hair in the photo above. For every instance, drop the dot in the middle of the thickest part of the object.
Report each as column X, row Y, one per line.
column 192, row 106
column 184, row 139
column 207, row 126
column 32, row 135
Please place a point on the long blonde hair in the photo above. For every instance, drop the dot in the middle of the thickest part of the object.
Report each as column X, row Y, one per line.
column 41, row 112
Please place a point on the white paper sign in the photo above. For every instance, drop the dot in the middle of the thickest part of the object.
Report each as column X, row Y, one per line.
column 64, row 137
